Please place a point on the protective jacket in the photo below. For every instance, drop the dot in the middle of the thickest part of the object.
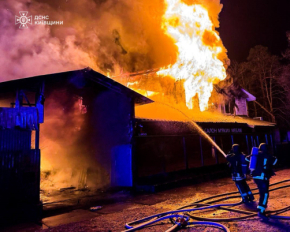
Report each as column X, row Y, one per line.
column 237, row 163
column 264, row 166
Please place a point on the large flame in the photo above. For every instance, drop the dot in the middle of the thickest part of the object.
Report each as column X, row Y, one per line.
column 199, row 48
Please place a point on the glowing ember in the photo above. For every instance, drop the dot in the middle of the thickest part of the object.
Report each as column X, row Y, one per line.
column 199, row 47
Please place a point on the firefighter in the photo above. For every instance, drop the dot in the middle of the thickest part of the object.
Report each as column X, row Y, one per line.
column 262, row 171
column 238, row 166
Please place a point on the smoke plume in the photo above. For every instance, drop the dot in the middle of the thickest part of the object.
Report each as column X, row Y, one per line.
column 109, row 36
column 112, row 36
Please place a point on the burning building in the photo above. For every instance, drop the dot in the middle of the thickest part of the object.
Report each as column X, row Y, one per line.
column 20, row 154
column 88, row 126
column 97, row 133
column 168, row 145
column 93, row 136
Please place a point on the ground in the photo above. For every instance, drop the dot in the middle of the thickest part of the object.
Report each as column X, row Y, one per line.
column 112, row 217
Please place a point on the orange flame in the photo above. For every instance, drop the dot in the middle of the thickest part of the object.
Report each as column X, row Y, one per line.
column 199, row 48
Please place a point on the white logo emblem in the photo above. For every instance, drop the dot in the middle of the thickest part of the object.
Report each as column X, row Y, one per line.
column 23, row 19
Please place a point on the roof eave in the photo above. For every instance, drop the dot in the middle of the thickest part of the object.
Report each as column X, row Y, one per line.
column 116, row 86
column 250, row 96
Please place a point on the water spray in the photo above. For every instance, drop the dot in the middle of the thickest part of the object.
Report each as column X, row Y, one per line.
column 197, row 127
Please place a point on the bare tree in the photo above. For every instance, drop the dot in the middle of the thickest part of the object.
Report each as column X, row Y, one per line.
column 284, row 81
column 265, row 77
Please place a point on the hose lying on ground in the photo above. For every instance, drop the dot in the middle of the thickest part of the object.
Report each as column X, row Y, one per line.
column 183, row 220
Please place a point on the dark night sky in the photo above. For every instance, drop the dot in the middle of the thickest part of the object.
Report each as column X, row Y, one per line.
column 246, row 23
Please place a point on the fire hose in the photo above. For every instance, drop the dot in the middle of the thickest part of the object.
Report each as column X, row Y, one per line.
column 182, row 214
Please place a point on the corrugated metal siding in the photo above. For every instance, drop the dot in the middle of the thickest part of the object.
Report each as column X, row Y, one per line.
column 19, row 168
column 15, row 140
column 19, row 177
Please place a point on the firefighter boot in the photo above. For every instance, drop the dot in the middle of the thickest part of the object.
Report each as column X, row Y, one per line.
column 263, row 216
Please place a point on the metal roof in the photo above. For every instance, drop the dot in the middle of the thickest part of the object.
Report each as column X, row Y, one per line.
column 161, row 112
column 250, row 96
column 32, row 83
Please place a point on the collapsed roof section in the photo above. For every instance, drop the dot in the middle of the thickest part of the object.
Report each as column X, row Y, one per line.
column 96, row 77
